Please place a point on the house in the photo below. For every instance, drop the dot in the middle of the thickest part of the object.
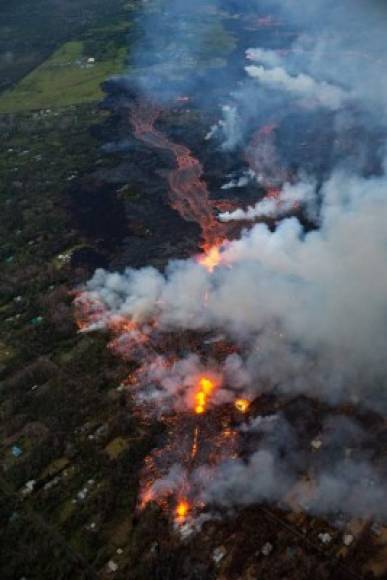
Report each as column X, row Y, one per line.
column 16, row 451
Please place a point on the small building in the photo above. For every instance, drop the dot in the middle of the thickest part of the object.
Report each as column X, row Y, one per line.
column 112, row 566
column 16, row 451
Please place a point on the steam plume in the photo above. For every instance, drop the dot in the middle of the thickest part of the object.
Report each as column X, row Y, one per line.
column 289, row 198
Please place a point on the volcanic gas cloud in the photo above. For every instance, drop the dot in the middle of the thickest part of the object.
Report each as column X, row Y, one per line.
column 280, row 310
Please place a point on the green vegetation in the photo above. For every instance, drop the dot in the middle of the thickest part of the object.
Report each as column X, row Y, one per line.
column 66, row 78
column 31, row 30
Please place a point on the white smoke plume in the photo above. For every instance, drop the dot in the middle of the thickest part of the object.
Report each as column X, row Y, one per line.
column 264, row 56
column 170, row 384
column 300, row 86
column 228, row 129
column 291, row 197
column 240, row 181
column 315, row 302
column 174, row 481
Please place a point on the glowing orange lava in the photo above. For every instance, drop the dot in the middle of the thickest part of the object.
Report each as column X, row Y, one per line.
column 147, row 496
column 206, row 387
column 188, row 192
column 211, row 258
column 182, row 510
column 195, row 443
column 242, row 405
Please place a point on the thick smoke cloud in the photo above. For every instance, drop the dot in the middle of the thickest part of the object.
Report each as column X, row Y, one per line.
column 172, row 384
column 314, row 305
column 336, row 482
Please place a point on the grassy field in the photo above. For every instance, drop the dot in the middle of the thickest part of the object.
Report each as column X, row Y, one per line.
column 31, row 30
column 66, row 78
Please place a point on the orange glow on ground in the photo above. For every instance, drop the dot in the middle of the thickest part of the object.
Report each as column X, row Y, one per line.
column 195, row 445
column 120, row 325
column 242, row 405
column 182, row 510
column 147, row 496
column 211, row 258
column 206, row 387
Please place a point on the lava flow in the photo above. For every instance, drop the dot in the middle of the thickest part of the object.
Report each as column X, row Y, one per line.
column 205, row 389
column 242, row 405
column 182, row 510
column 188, row 192
column 210, row 258
column 198, row 432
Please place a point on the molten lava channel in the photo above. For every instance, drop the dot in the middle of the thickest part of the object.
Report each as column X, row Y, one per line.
column 206, row 387
column 182, row 510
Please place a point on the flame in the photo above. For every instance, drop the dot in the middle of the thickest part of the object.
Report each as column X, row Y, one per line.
column 206, row 386
column 211, row 258
column 242, row 405
column 182, row 510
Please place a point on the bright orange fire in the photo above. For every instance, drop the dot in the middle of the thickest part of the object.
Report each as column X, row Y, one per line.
column 182, row 510
column 206, row 387
column 211, row 258
column 242, row 405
